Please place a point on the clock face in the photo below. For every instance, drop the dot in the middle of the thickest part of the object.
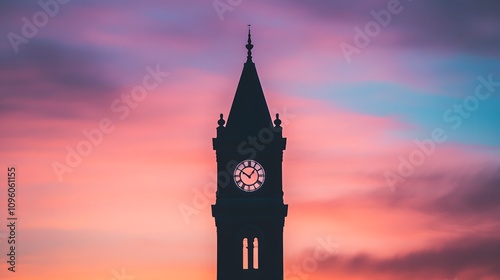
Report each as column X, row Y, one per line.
column 249, row 175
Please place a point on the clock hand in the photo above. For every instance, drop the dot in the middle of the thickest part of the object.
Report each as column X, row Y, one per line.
column 253, row 171
column 245, row 173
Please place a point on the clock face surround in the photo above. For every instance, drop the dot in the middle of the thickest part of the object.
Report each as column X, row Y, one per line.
column 249, row 175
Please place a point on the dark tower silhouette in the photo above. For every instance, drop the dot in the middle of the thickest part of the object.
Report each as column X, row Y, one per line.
column 249, row 210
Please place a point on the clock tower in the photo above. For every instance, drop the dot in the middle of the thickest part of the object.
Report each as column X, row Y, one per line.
column 249, row 210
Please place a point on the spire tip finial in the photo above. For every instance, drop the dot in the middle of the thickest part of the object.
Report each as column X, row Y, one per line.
column 249, row 45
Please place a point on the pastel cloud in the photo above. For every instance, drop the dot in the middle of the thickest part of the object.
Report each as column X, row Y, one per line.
column 466, row 26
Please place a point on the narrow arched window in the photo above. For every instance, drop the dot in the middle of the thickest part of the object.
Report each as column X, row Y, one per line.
column 250, row 253
column 245, row 253
column 256, row 253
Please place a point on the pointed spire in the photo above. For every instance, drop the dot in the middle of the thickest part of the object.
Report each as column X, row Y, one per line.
column 249, row 46
column 249, row 111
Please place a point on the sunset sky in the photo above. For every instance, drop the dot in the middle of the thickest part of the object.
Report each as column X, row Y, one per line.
column 391, row 110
